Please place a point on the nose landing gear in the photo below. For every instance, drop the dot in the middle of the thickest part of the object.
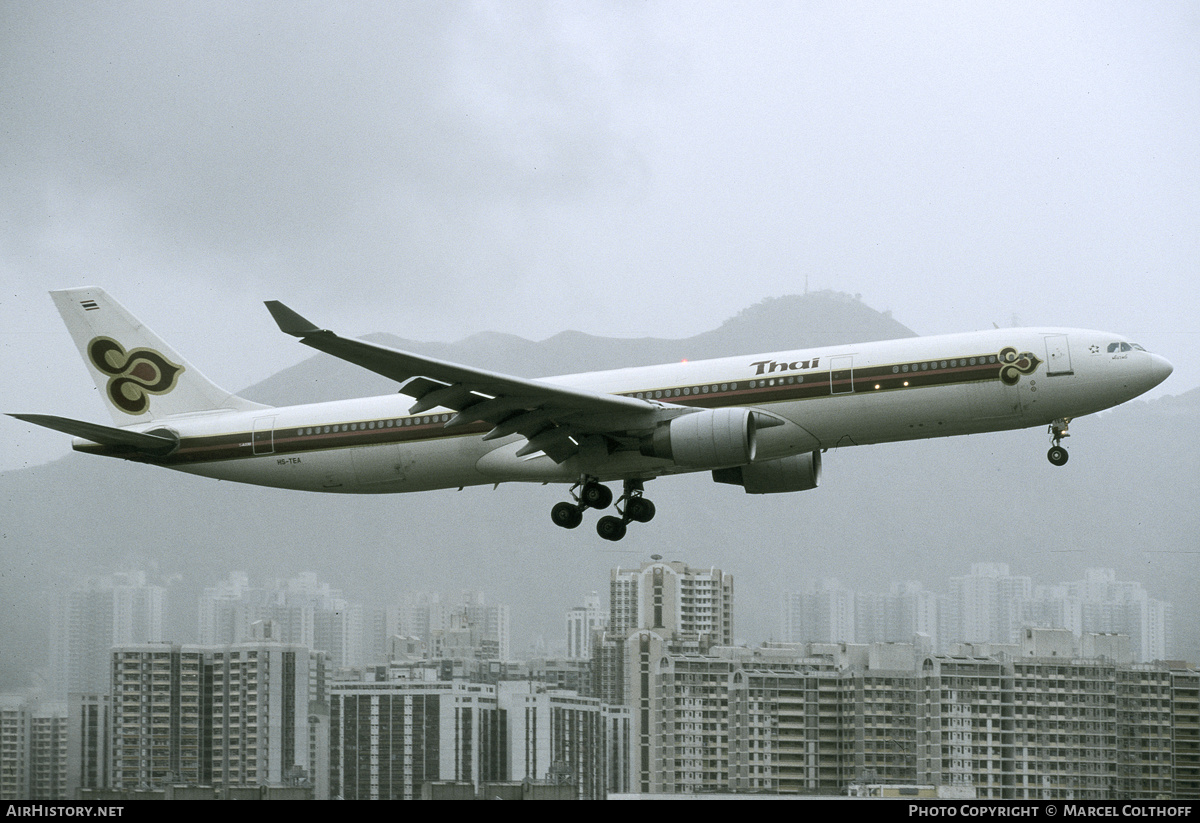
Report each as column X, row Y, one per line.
column 1058, row 431
column 631, row 506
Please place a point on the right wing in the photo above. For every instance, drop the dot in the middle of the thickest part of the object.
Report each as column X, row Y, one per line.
column 554, row 419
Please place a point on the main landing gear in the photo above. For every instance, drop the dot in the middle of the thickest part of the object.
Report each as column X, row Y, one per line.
column 592, row 495
column 1058, row 431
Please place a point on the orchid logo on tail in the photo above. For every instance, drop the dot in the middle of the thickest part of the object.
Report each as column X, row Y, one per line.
column 132, row 375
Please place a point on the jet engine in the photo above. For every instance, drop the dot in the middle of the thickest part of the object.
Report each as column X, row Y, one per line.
column 797, row 473
column 714, row 437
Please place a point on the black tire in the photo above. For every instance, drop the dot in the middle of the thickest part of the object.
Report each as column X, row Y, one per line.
column 611, row 528
column 596, row 496
column 1057, row 455
column 639, row 509
column 566, row 515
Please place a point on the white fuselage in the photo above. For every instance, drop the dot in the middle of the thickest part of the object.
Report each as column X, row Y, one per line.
column 827, row 397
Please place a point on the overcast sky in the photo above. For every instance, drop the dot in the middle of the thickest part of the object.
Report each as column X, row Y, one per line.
column 437, row 169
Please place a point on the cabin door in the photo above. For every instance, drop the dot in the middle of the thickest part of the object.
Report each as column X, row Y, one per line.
column 1058, row 355
column 263, row 438
column 841, row 374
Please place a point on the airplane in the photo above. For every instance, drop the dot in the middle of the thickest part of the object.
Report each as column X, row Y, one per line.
column 760, row 422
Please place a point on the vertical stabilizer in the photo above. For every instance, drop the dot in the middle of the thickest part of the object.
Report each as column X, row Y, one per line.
column 140, row 377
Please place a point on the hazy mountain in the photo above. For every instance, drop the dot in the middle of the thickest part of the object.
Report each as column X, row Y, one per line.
column 922, row 510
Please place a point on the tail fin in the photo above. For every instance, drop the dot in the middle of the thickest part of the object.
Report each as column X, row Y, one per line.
column 140, row 377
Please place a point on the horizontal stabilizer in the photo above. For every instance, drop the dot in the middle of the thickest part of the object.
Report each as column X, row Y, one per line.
column 155, row 444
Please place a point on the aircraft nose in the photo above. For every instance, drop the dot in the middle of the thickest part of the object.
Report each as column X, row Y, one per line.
column 1160, row 368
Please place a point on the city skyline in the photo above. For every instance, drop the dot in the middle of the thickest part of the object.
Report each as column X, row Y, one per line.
column 354, row 634
column 664, row 704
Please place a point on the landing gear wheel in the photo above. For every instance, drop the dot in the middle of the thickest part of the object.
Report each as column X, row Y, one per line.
column 567, row 515
column 639, row 509
column 595, row 496
column 610, row 528
column 1057, row 455
column 1058, row 431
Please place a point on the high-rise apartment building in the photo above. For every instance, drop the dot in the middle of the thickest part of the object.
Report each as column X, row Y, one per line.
column 467, row 628
column 676, row 601
column 492, row 623
column 33, row 748
column 683, row 606
column 962, row 716
column 302, row 609
column 89, row 732
column 1109, row 605
column 1028, row 723
column 774, row 719
column 825, row 612
column 582, row 622
column 906, row 609
column 16, row 720
column 559, row 735
column 980, row 606
column 220, row 716
column 988, row 606
column 1185, row 729
column 48, row 752
column 159, row 716
column 391, row 738
column 95, row 615
column 262, row 726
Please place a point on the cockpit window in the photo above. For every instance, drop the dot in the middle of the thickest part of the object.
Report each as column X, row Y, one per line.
column 1115, row 347
column 1112, row 347
column 1137, row 347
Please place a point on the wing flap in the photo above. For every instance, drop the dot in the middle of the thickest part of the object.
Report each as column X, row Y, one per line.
column 456, row 396
column 527, row 423
column 558, row 444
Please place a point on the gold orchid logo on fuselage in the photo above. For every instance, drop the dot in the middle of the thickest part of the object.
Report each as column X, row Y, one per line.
column 132, row 375
column 1013, row 365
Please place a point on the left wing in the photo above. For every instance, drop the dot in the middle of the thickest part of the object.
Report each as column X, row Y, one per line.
column 554, row 419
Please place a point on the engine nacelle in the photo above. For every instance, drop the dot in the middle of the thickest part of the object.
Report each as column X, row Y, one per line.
column 797, row 473
column 705, row 439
